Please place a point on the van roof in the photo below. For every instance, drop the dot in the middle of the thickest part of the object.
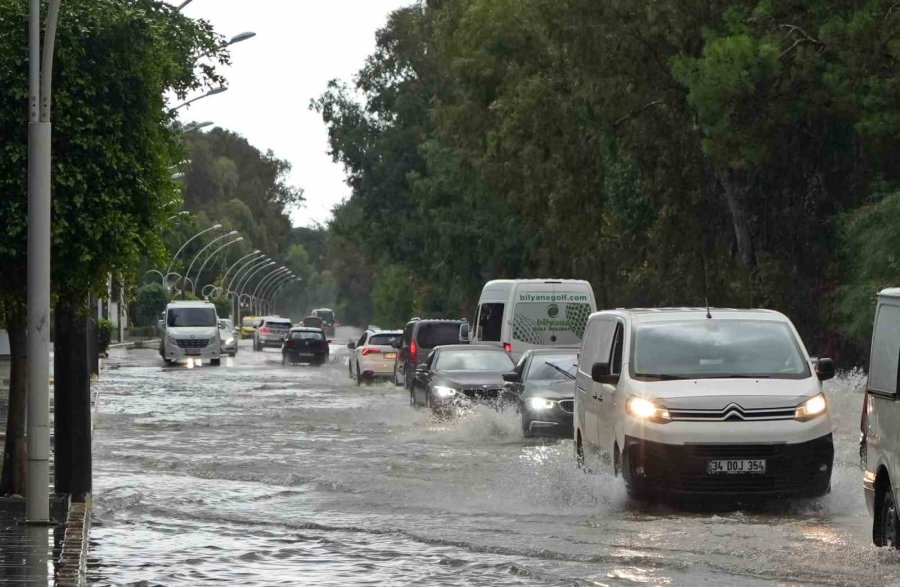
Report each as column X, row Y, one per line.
column 891, row 292
column 675, row 314
column 190, row 304
column 536, row 280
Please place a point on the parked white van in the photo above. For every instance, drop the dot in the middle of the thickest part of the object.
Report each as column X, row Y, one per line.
column 688, row 402
column 191, row 331
column 881, row 422
column 522, row 314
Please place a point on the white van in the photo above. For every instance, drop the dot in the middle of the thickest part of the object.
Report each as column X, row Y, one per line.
column 881, row 422
column 191, row 331
column 694, row 402
column 521, row 314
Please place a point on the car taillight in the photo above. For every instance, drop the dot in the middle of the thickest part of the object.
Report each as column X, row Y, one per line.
column 265, row 330
column 289, row 343
column 413, row 351
column 370, row 351
column 507, row 347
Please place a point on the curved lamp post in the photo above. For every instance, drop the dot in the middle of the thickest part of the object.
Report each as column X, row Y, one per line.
column 255, row 253
column 246, row 269
column 266, row 283
column 210, row 256
column 246, row 280
column 187, row 242
column 271, row 285
column 267, row 294
column 212, row 92
column 277, row 291
column 187, row 274
column 265, row 279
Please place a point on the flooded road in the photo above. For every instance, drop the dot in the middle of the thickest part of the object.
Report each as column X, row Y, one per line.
column 255, row 473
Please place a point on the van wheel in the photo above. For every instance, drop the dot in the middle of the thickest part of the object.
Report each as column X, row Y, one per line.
column 215, row 362
column 886, row 525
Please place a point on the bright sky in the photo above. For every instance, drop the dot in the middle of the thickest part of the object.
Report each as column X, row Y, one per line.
column 300, row 46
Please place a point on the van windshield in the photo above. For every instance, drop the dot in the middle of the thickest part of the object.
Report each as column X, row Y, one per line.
column 717, row 349
column 179, row 317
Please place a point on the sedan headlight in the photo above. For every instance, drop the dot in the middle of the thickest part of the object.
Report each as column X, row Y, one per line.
column 441, row 391
column 644, row 409
column 540, row 404
column 811, row 408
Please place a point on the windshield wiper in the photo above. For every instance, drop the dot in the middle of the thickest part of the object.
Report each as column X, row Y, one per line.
column 561, row 370
column 661, row 376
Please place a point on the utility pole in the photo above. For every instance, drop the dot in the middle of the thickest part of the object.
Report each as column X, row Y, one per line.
column 40, row 81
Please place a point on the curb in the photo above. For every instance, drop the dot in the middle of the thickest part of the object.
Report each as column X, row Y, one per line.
column 72, row 568
column 135, row 344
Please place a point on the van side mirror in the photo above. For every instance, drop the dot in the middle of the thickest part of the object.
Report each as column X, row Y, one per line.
column 511, row 377
column 600, row 373
column 160, row 324
column 825, row 369
column 464, row 332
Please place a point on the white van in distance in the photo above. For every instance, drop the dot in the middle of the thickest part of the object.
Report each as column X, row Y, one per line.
column 191, row 331
column 881, row 422
column 522, row 314
column 694, row 402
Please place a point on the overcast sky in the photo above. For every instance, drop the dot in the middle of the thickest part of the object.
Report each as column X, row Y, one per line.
column 300, row 45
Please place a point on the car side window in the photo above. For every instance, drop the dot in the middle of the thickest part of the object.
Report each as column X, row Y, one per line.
column 615, row 363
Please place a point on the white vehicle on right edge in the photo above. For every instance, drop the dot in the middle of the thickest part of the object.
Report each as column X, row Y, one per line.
column 881, row 422
column 704, row 402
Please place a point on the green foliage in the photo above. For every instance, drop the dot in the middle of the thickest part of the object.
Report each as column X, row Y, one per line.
column 223, row 306
column 668, row 151
column 392, row 297
column 150, row 300
column 104, row 334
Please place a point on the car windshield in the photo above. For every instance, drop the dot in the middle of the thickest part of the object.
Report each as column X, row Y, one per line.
column 560, row 367
column 437, row 334
column 384, row 339
column 307, row 335
column 474, row 360
column 179, row 317
column 717, row 348
column 253, row 322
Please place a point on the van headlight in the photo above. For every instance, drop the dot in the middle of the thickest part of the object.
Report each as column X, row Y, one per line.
column 811, row 408
column 540, row 404
column 229, row 340
column 644, row 409
column 441, row 391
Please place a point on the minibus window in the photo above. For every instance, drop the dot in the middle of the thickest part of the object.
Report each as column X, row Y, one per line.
column 490, row 322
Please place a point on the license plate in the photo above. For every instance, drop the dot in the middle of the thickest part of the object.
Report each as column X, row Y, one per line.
column 736, row 466
column 305, row 355
column 390, row 355
column 193, row 352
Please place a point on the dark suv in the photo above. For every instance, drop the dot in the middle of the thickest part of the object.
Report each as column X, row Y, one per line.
column 419, row 338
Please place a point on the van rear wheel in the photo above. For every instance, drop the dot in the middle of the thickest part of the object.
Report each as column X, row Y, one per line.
column 886, row 530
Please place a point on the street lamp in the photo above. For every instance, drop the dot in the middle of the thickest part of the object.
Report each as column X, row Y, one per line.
column 187, row 274
column 211, row 255
column 37, row 427
column 245, row 280
column 212, row 92
column 277, row 291
column 236, row 263
column 264, row 280
column 250, row 265
column 265, row 295
column 190, row 127
column 183, row 4
column 178, row 252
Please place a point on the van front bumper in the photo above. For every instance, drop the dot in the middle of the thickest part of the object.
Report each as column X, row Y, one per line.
column 792, row 470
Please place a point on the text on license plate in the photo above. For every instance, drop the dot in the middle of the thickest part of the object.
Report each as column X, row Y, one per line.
column 735, row 466
column 390, row 355
column 193, row 351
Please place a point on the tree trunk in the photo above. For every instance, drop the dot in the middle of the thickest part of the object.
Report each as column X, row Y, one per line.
column 72, row 400
column 13, row 480
column 736, row 186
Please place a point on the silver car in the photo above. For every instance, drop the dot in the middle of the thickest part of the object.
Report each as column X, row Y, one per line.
column 228, row 338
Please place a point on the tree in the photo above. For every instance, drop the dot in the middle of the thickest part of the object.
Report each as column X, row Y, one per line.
column 150, row 300
column 113, row 145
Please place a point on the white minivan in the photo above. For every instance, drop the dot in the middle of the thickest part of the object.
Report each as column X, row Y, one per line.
column 704, row 402
column 191, row 331
column 522, row 314
column 881, row 422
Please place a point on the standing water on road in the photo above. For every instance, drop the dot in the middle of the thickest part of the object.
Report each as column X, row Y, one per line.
column 256, row 473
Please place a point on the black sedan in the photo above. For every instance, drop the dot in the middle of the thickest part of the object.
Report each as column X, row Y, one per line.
column 305, row 345
column 545, row 386
column 460, row 376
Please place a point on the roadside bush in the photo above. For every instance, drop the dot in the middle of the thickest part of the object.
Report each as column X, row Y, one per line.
column 104, row 333
column 150, row 301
